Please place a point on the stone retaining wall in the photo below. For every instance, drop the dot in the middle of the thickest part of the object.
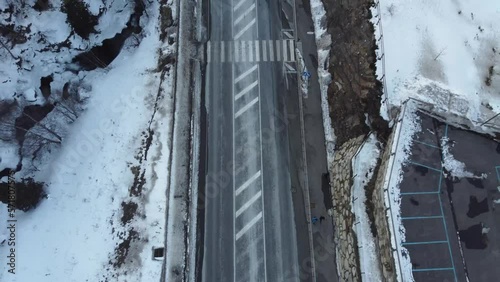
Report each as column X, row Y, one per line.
column 383, row 239
column 345, row 238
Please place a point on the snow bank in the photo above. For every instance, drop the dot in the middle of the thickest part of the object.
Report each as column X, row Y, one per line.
column 406, row 127
column 323, row 42
column 363, row 166
column 451, row 44
column 455, row 167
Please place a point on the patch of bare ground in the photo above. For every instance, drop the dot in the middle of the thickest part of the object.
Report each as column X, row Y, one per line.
column 355, row 89
column 355, row 94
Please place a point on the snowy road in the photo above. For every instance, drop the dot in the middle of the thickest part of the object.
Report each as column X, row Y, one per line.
column 249, row 224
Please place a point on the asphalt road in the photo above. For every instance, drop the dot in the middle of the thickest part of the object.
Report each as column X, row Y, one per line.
column 249, row 233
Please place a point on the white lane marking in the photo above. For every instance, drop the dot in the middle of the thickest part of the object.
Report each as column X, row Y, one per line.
column 289, row 67
column 230, row 47
column 288, row 34
column 239, row 5
column 247, row 183
column 246, row 107
column 250, row 51
column 209, row 51
column 246, row 90
column 264, row 51
column 248, row 226
column 285, row 56
column 239, row 34
column 262, row 181
column 222, row 53
column 248, row 203
column 257, row 51
column 236, row 51
column 310, row 32
column 277, row 50
column 243, row 54
column 292, row 51
column 248, row 11
column 271, row 50
column 241, row 76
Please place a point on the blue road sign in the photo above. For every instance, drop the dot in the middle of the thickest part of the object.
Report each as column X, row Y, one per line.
column 306, row 74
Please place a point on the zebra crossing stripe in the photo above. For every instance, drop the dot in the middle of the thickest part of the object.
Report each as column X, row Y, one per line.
column 271, row 51
column 264, row 51
column 209, row 51
column 292, row 51
column 277, row 50
column 236, row 51
column 243, row 51
column 285, row 57
column 257, row 51
column 250, row 51
column 222, row 55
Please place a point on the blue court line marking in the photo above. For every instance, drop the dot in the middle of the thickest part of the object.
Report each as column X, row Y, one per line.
column 433, row 269
column 427, row 144
column 418, row 193
column 444, row 220
column 421, row 217
column 425, row 243
column 422, row 165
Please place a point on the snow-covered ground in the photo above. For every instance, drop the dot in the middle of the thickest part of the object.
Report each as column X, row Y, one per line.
column 443, row 52
column 364, row 164
column 73, row 234
column 323, row 41
column 407, row 126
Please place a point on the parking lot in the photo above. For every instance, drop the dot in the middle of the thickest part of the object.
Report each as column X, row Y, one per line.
column 452, row 227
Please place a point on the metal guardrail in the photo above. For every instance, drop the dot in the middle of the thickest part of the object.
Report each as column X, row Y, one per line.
column 380, row 42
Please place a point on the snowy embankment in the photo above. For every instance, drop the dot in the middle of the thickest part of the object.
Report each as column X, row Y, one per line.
column 446, row 53
column 323, row 42
column 407, row 126
column 364, row 164
column 106, row 184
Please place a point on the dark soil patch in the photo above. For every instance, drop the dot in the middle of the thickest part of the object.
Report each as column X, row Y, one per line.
column 488, row 78
column 166, row 20
column 79, row 17
column 30, row 117
column 41, row 5
column 101, row 56
column 355, row 89
column 122, row 249
column 28, row 194
column 129, row 209
column 139, row 181
column 45, row 85
column 146, row 143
